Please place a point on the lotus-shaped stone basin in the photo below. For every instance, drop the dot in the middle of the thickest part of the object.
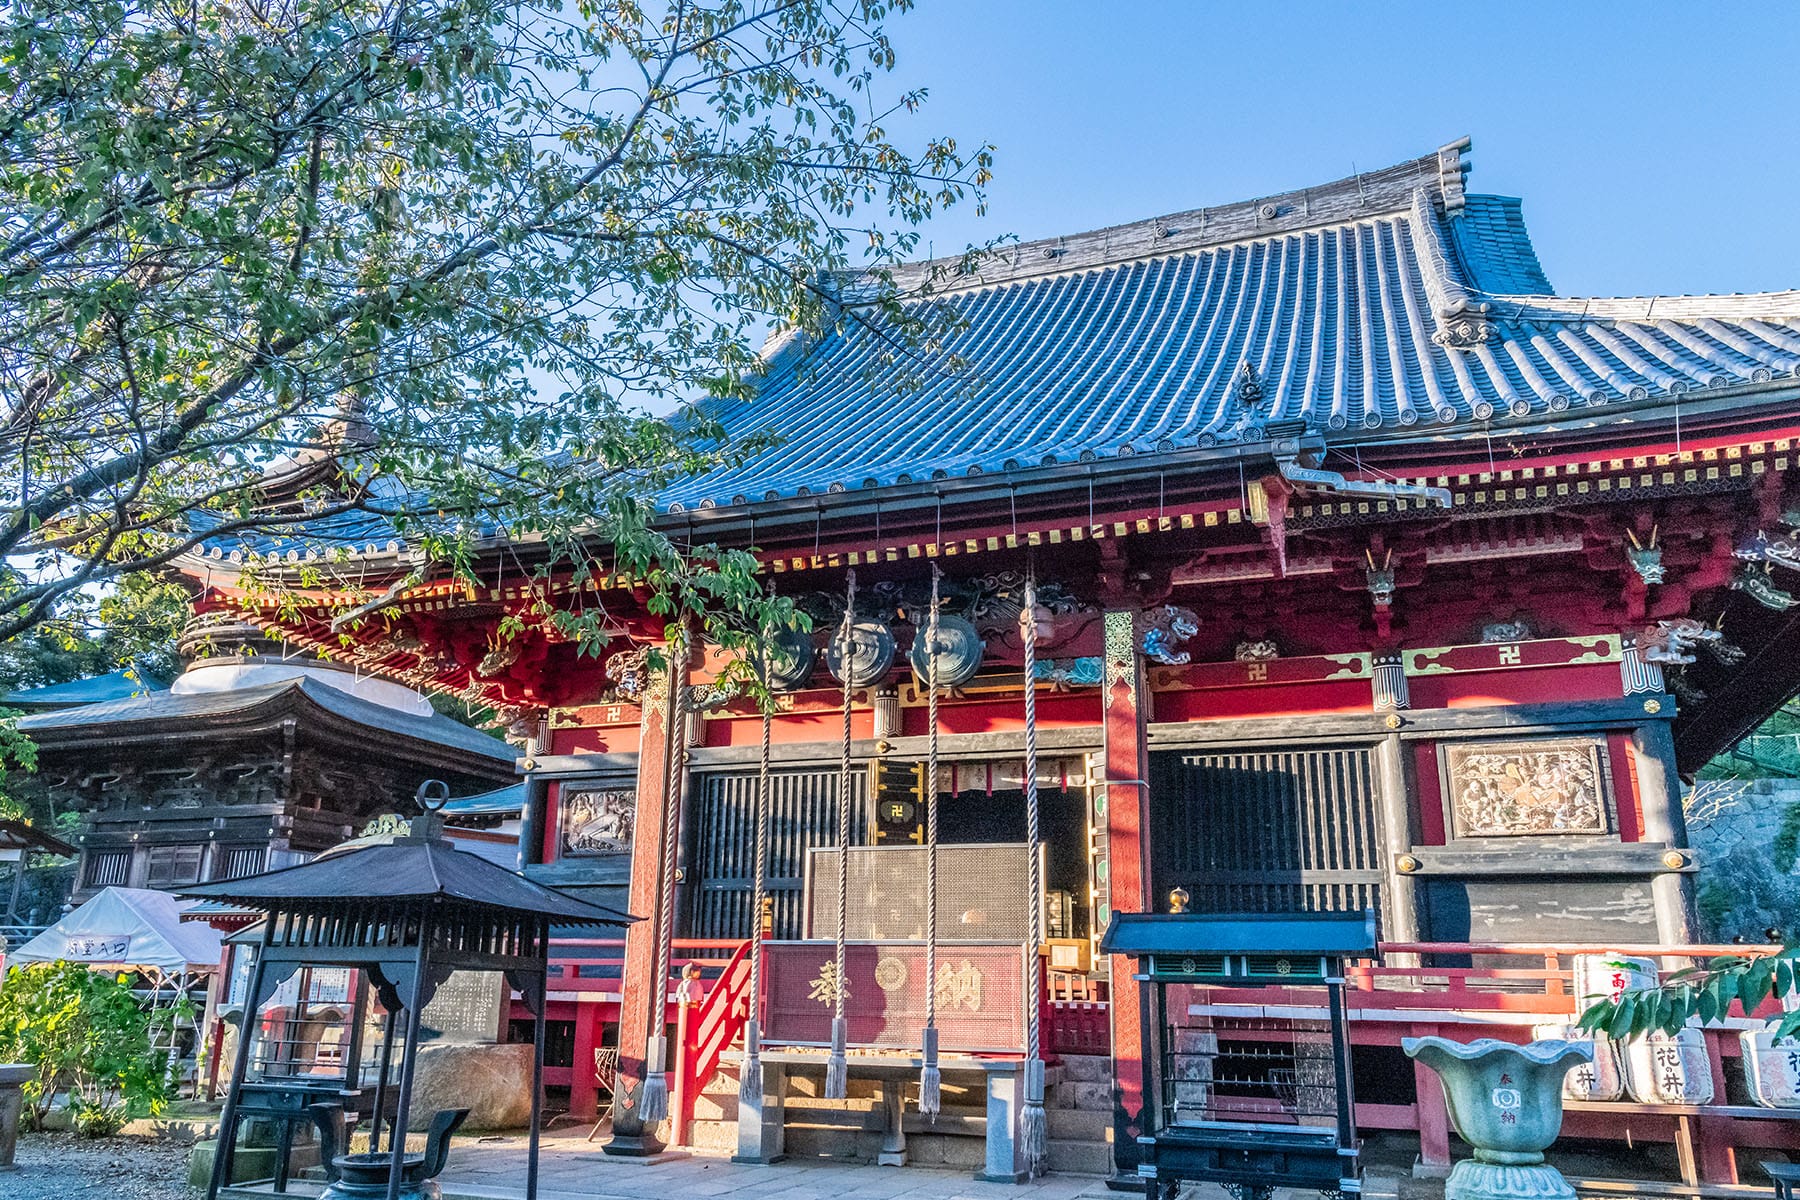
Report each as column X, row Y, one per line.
column 1505, row 1099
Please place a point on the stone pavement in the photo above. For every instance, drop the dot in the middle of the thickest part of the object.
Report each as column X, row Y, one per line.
column 571, row 1167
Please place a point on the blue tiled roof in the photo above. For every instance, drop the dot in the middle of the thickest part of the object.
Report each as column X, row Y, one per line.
column 1493, row 247
column 1358, row 305
column 114, row 685
column 1390, row 304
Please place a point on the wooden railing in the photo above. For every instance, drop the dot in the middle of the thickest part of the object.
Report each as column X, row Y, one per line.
column 707, row 1025
column 1416, row 974
column 598, row 964
column 1078, row 1027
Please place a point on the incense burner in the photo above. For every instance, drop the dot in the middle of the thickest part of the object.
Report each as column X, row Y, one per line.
column 365, row 1176
column 1506, row 1102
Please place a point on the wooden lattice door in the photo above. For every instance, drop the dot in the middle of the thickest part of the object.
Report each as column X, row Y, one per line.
column 1269, row 829
column 722, row 844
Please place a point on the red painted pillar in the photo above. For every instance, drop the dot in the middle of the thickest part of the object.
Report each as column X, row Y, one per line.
column 640, row 992
column 1433, row 1113
column 1127, row 804
column 1718, row 1154
column 584, row 1089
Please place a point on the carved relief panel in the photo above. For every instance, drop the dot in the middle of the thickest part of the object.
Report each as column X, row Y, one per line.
column 1527, row 788
column 596, row 820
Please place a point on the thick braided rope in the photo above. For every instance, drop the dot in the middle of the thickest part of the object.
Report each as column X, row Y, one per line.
column 931, row 807
column 655, row 1101
column 671, row 816
column 750, row 1076
column 931, row 1077
column 835, row 1068
column 759, row 872
column 1034, row 1131
column 1028, row 627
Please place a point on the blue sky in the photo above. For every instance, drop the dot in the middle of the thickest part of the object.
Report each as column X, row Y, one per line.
column 1654, row 143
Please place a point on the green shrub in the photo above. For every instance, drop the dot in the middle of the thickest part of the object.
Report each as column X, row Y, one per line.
column 86, row 1034
column 98, row 1120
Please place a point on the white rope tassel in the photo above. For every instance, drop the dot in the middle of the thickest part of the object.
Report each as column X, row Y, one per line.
column 750, row 1078
column 1035, row 1132
column 837, row 1067
column 750, row 1075
column 931, row 1078
column 654, row 1106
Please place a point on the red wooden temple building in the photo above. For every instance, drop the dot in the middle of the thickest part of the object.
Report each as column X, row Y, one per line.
column 1372, row 573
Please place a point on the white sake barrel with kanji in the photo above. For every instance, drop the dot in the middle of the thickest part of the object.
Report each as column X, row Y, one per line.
column 1608, row 976
column 1660, row 1069
column 1602, row 1079
column 1771, row 1068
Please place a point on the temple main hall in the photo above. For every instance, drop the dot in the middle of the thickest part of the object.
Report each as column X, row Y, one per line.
column 1303, row 554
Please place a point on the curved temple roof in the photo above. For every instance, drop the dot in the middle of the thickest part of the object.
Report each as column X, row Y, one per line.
column 411, row 868
column 1393, row 304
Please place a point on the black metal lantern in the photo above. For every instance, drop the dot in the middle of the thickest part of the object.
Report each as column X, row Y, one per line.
column 1249, row 1102
column 407, row 913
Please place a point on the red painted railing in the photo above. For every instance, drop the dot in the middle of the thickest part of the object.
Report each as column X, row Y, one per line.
column 598, row 964
column 1078, row 1027
column 706, row 1027
column 1536, row 977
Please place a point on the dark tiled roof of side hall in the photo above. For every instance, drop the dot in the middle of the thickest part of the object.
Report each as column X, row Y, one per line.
column 154, row 710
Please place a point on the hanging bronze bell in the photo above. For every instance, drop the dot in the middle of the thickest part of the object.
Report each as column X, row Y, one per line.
column 958, row 652
column 871, row 653
column 790, row 660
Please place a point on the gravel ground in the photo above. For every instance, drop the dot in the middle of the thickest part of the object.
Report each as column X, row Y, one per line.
column 61, row 1166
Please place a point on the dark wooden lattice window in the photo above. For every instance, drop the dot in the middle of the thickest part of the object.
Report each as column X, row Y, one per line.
column 1267, row 830
column 803, row 814
column 235, row 862
column 109, row 868
column 173, row 866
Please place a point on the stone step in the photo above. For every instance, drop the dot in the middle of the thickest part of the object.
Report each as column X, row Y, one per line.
column 1087, row 1068
column 957, row 1141
column 924, row 1150
column 963, row 1092
column 716, row 1108
column 1079, row 1158
column 1083, row 1097
column 712, row 1135
column 1079, row 1125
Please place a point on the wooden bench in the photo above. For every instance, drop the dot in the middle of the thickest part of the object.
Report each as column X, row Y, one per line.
column 762, row 1133
column 1685, row 1118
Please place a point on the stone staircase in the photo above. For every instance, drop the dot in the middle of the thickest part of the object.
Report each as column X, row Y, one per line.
column 1080, row 1110
column 1078, row 1105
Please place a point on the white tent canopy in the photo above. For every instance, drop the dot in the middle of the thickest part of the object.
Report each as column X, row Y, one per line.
column 128, row 928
